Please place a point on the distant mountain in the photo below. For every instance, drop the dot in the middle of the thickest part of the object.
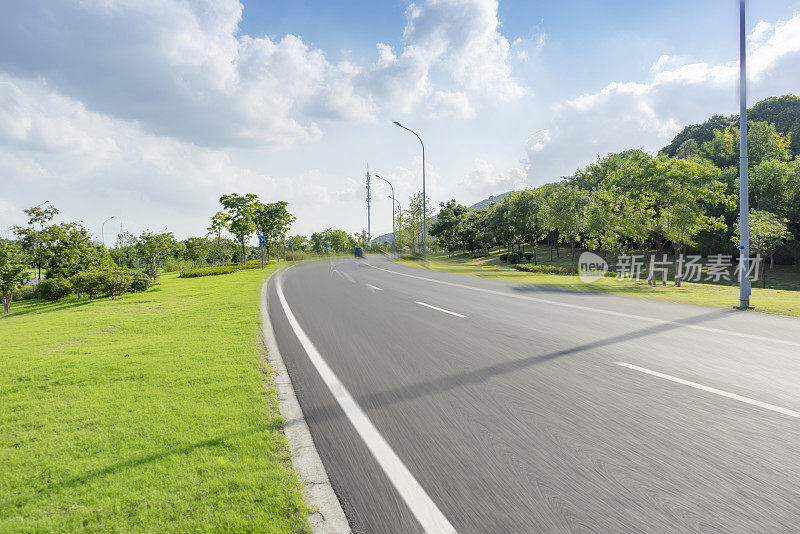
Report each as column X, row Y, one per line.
column 483, row 204
column 781, row 111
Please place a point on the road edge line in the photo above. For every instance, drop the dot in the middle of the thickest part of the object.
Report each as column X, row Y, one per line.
column 419, row 503
column 329, row 516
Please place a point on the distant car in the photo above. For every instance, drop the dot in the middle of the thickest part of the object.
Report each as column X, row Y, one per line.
column 359, row 252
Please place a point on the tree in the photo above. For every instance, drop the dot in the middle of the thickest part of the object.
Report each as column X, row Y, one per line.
column 152, row 248
column 412, row 223
column 31, row 238
column 272, row 221
column 67, row 248
column 300, row 242
column 219, row 222
column 767, row 233
column 195, row 249
column 240, row 210
column 448, row 224
column 770, row 186
column 528, row 219
column 564, row 213
column 690, row 185
column 13, row 272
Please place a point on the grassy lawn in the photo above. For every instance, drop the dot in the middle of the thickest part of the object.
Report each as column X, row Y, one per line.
column 152, row 413
column 780, row 301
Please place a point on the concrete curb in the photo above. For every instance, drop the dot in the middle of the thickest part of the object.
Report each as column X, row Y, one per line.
column 328, row 517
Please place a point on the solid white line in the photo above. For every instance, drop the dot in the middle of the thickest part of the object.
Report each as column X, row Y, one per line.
column 441, row 309
column 598, row 310
column 424, row 509
column 374, row 288
column 716, row 391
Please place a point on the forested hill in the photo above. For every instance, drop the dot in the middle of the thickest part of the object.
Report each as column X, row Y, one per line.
column 782, row 112
column 483, row 204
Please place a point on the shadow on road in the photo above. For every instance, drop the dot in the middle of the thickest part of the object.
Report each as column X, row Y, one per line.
column 476, row 376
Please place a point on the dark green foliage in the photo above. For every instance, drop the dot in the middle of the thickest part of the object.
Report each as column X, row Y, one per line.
column 503, row 257
column 528, row 256
column 25, row 293
column 140, row 281
column 700, row 133
column 208, row 271
column 545, row 269
column 512, row 258
column 54, row 288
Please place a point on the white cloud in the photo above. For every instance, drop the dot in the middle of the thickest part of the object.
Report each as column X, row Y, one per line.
column 51, row 146
column 455, row 104
column 463, row 37
column 647, row 114
column 182, row 69
column 484, row 179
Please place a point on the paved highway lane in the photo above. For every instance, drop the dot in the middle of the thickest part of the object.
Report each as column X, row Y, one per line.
column 510, row 408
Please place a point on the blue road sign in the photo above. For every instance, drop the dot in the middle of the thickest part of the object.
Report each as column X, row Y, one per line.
column 291, row 242
column 261, row 240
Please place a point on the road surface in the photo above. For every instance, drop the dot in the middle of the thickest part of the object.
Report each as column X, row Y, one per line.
column 440, row 401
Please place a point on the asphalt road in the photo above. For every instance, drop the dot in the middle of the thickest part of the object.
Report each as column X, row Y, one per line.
column 508, row 405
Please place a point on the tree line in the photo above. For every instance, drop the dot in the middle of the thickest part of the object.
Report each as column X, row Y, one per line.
column 682, row 200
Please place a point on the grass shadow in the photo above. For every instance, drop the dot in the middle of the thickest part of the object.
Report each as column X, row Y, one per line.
column 134, row 462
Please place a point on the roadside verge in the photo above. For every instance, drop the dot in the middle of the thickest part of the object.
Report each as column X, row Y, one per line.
column 328, row 516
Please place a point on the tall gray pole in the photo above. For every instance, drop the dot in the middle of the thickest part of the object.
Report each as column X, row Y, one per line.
column 369, row 229
column 400, row 211
column 103, row 230
column 424, row 198
column 394, row 235
column 744, row 189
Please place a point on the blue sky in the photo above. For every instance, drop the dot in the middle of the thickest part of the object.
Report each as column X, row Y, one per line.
column 149, row 110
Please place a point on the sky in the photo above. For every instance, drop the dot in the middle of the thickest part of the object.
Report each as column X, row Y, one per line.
column 150, row 110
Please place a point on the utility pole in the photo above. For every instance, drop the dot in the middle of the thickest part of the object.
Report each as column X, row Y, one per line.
column 369, row 230
column 744, row 188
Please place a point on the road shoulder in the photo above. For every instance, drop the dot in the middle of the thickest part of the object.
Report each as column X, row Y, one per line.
column 328, row 516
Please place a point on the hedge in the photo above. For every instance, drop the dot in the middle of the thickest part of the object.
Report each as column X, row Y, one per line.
column 208, row 271
column 544, row 269
column 513, row 258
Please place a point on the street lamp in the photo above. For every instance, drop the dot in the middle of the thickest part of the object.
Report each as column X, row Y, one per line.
column 394, row 235
column 424, row 199
column 400, row 208
column 744, row 189
column 103, row 230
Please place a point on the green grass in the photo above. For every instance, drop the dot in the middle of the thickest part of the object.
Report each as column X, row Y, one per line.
column 779, row 301
column 151, row 413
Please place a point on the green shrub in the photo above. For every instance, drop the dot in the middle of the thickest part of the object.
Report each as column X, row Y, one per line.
column 139, row 281
column 25, row 293
column 151, row 271
column 85, row 283
column 544, row 269
column 53, row 288
column 254, row 264
column 208, row 271
column 115, row 283
column 528, row 256
column 299, row 255
column 503, row 257
column 513, row 258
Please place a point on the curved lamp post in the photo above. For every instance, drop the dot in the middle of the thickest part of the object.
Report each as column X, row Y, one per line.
column 424, row 198
column 103, row 230
column 394, row 232
column 399, row 207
